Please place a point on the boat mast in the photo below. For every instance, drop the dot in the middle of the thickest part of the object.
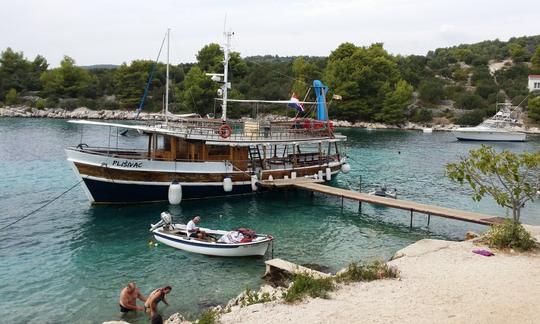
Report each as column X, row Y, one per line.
column 167, row 80
column 226, row 84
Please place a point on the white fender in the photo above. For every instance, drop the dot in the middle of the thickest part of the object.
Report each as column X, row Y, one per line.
column 320, row 175
column 328, row 174
column 254, row 182
column 346, row 168
column 175, row 193
column 227, row 184
column 270, row 178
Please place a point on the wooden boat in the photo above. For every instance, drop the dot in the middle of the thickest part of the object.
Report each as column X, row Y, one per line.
column 207, row 157
column 174, row 235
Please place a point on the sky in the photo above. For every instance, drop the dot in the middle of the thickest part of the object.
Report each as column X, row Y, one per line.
column 117, row 31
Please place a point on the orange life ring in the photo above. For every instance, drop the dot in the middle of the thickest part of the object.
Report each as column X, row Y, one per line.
column 225, row 131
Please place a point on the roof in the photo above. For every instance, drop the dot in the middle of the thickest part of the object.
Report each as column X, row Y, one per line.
column 534, row 76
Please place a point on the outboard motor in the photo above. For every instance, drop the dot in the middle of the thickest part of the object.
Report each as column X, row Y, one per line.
column 166, row 221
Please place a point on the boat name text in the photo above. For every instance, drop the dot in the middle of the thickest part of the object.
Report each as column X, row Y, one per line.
column 127, row 164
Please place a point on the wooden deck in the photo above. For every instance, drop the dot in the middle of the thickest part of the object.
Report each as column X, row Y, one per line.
column 411, row 206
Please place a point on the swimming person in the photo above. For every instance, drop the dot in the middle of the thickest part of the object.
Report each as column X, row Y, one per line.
column 192, row 229
column 128, row 298
column 155, row 297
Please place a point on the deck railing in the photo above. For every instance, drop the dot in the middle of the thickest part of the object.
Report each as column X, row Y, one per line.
column 251, row 130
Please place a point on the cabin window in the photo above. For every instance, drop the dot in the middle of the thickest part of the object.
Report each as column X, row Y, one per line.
column 214, row 150
column 537, row 85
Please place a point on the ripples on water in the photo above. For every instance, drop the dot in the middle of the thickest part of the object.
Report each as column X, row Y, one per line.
column 68, row 262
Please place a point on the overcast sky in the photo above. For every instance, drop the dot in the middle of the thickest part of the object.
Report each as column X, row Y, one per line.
column 116, row 31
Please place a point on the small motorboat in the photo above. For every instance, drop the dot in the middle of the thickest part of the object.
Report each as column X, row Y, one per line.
column 174, row 235
column 382, row 191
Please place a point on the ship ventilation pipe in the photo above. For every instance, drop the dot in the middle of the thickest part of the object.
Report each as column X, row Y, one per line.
column 227, row 184
column 320, row 92
column 175, row 193
column 345, row 168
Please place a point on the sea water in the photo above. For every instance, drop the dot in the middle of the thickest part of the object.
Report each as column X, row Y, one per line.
column 69, row 261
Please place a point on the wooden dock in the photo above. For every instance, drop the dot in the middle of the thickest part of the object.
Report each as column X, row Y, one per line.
column 286, row 183
column 411, row 206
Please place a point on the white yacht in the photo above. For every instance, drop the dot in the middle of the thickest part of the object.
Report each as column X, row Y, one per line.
column 503, row 127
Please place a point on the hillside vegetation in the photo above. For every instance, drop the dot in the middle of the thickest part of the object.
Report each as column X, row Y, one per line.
column 460, row 84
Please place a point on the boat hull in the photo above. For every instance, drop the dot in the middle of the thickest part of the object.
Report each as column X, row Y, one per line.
column 215, row 249
column 112, row 180
column 492, row 136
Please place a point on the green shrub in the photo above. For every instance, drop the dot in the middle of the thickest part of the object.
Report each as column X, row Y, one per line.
column 252, row 297
column 12, row 97
column 509, row 234
column 366, row 272
column 208, row 317
column 40, row 103
column 304, row 285
column 422, row 115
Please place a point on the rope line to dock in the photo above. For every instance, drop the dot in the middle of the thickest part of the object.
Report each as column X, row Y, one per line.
column 41, row 207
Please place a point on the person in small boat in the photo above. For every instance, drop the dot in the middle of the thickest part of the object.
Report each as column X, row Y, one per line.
column 155, row 297
column 128, row 298
column 192, row 229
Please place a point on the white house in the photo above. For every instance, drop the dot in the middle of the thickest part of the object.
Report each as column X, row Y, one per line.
column 534, row 82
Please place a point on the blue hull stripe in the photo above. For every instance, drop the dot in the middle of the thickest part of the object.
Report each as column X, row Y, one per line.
column 109, row 192
column 196, row 243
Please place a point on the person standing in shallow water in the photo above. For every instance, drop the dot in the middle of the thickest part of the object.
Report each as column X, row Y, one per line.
column 155, row 297
column 128, row 298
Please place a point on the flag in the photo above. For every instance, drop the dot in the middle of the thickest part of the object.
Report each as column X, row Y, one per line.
column 295, row 103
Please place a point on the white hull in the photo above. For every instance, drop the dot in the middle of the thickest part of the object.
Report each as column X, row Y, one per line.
column 255, row 248
column 470, row 134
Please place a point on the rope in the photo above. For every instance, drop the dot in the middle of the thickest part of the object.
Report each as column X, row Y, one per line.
column 150, row 77
column 41, row 207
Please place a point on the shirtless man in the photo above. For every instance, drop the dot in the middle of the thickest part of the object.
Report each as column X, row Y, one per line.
column 128, row 298
column 155, row 297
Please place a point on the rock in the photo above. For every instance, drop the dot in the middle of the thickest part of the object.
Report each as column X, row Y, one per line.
column 471, row 235
column 176, row 318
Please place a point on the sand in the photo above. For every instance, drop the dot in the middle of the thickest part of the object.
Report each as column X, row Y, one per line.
column 440, row 282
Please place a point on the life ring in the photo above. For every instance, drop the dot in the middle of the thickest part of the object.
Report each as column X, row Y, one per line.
column 225, row 131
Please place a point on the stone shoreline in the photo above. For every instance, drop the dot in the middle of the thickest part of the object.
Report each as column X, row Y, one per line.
column 439, row 282
column 85, row 113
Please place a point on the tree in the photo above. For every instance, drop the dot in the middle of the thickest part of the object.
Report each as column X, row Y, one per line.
column 14, row 71
column 395, row 104
column 69, row 81
column 535, row 60
column 509, row 178
column 199, row 91
column 517, row 52
column 304, row 73
column 431, row 91
column 362, row 76
column 533, row 108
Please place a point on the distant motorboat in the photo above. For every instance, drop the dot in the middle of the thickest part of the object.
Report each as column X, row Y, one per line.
column 502, row 127
column 175, row 235
column 427, row 130
column 382, row 191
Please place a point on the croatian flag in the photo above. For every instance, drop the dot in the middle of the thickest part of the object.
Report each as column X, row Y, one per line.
column 295, row 103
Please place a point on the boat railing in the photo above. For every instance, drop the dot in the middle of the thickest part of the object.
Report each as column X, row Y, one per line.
column 248, row 130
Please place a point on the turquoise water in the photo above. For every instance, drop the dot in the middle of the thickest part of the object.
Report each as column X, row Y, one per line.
column 68, row 262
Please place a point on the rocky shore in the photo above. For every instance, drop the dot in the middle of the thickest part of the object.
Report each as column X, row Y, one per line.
column 439, row 282
column 85, row 113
